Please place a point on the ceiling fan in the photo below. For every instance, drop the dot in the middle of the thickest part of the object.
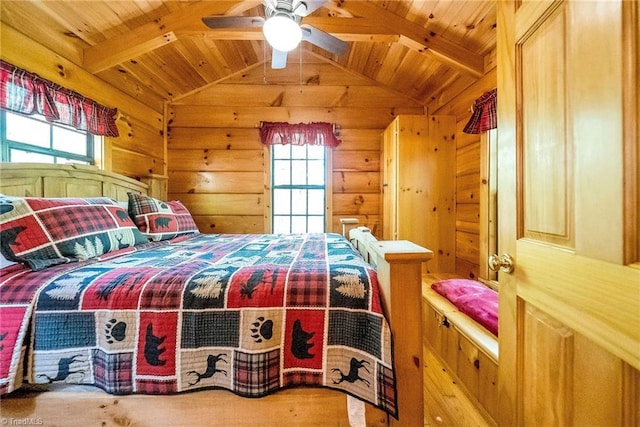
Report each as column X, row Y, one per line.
column 282, row 28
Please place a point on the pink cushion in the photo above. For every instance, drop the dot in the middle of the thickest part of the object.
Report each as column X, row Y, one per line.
column 473, row 299
column 160, row 220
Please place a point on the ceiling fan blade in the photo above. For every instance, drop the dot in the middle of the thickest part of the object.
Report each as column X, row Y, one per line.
column 278, row 59
column 233, row 21
column 306, row 7
column 323, row 40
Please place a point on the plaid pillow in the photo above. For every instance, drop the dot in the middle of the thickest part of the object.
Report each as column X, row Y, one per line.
column 47, row 231
column 160, row 220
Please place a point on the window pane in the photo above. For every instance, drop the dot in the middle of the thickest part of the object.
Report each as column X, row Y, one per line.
column 281, row 172
column 299, row 224
column 316, row 152
column 281, row 201
column 299, row 172
column 316, row 172
column 28, row 131
column 299, row 202
column 281, row 224
column 298, row 151
column 316, row 224
column 280, row 151
column 316, row 202
column 69, row 141
column 28, row 157
column 291, row 189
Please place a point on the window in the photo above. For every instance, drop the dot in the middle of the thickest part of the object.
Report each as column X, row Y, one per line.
column 298, row 188
column 33, row 139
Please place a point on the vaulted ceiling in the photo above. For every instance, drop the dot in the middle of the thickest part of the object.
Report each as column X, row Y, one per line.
column 160, row 50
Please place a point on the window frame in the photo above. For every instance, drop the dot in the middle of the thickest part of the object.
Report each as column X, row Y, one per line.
column 6, row 144
column 272, row 187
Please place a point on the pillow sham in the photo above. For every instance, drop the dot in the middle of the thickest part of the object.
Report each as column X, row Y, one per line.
column 473, row 299
column 41, row 232
column 160, row 220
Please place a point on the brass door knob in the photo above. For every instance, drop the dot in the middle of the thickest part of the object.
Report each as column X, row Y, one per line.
column 502, row 262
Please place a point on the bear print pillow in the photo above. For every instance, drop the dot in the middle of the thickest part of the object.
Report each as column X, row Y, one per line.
column 160, row 220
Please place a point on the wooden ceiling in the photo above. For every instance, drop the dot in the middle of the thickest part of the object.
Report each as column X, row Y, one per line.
column 159, row 50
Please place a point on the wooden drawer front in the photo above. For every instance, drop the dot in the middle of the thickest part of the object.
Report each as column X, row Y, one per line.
column 488, row 384
column 450, row 351
column 468, row 364
column 433, row 329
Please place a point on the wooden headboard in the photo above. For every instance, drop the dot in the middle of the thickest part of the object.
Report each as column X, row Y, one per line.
column 46, row 180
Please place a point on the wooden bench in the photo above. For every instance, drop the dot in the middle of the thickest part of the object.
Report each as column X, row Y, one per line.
column 469, row 350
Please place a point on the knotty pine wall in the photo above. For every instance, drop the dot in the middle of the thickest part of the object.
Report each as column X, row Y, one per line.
column 216, row 163
column 139, row 150
column 215, row 160
column 470, row 258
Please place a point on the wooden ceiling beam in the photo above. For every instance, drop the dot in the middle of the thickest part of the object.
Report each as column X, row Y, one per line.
column 352, row 29
column 156, row 34
column 347, row 29
column 418, row 38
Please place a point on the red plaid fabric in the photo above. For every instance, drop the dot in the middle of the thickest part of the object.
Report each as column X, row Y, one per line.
column 17, row 287
column 294, row 378
column 161, row 220
column 28, row 93
column 484, row 116
column 307, row 285
column 256, row 374
column 156, row 386
column 318, row 133
column 113, row 372
column 386, row 388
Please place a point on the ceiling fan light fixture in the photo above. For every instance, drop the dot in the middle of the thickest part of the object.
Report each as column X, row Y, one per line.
column 282, row 32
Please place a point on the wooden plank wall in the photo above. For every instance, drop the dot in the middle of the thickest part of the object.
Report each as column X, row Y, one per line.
column 215, row 160
column 139, row 150
column 216, row 163
column 468, row 179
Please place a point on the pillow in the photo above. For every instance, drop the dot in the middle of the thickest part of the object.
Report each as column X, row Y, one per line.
column 48, row 231
column 160, row 220
column 473, row 299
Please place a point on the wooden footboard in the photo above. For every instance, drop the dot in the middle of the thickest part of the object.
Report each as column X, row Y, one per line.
column 399, row 263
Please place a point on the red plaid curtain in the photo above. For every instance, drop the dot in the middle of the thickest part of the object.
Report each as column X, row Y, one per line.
column 317, row 133
column 28, row 93
column 484, row 116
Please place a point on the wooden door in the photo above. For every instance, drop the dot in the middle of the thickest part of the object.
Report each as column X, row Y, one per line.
column 568, row 213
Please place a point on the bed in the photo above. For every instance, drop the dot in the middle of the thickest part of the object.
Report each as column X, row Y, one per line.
column 155, row 313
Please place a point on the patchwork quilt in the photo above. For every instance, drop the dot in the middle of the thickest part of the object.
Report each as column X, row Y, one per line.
column 249, row 313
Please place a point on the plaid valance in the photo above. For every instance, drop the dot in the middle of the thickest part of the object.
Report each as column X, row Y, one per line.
column 317, row 133
column 484, row 116
column 28, row 93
